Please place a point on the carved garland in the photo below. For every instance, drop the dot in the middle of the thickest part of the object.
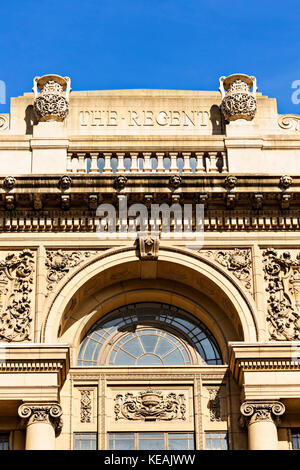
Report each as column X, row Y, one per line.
column 16, row 279
column 237, row 261
column 282, row 275
column 150, row 405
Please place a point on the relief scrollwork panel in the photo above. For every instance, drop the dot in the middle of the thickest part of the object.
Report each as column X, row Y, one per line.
column 16, row 296
column 237, row 261
column 282, row 284
column 150, row 405
column 59, row 263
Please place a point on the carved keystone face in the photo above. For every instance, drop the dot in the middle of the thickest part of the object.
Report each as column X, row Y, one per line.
column 9, row 182
column 285, row 181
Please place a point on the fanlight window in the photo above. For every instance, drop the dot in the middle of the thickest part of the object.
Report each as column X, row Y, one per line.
column 149, row 334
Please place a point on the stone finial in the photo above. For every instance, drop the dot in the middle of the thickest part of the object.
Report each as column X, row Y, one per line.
column 238, row 102
column 52, row 103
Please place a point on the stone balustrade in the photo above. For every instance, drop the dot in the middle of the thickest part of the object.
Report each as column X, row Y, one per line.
column 147, row 162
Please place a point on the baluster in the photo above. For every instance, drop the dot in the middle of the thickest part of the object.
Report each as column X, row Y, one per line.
column 147, row 162
column 186, row 162
column 69, row 162
column 225, row 162
column 120, row 157
column 213, row 161
column 81, row 162
column 94, row 162
column 107, row 162
column 134, row 162
column 173, row 157
column 160, row 162
column 200, row 166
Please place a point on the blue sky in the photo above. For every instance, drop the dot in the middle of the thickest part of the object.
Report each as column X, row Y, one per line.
column 164, row 44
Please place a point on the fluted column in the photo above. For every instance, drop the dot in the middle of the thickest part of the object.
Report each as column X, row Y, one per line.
column 43, row 422
column 261, row 420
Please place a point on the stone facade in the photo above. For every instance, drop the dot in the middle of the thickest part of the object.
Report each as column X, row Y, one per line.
column 62, row 156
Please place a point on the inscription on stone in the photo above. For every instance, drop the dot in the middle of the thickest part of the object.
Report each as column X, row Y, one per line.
column 96, row 118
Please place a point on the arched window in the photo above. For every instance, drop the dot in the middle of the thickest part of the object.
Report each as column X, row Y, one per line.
column 148, row 334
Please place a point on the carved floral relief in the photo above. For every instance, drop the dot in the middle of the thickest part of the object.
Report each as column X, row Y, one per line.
column 282, row 276
column 16, row 285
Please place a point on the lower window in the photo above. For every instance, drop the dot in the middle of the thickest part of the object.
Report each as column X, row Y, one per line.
column 216, row 441
column 296, row 439
column 85, row 441
column 4, row 441
column 151, row 441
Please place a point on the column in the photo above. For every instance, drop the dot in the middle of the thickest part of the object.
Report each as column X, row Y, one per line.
column 43, row 422
column 261, row 420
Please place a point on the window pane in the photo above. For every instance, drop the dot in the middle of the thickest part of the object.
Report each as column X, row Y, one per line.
column 153, row 441
column 4, row 441
column 180, row 441
column 149, row 342
column 216, row 441
column 85, row 441
column 296, row 439
column 121, row 441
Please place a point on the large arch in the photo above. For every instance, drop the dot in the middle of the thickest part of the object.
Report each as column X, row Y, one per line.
column 180, row 277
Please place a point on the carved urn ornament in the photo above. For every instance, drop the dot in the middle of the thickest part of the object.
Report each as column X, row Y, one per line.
column 238, row 102
column 52, row 102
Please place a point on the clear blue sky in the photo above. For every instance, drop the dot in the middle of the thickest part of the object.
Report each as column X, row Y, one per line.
column 171, row 44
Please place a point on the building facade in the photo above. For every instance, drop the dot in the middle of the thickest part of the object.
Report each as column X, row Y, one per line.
column 149, row 269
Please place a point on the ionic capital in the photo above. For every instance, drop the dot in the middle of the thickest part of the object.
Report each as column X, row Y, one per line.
column 253, row 412
column 48, row 413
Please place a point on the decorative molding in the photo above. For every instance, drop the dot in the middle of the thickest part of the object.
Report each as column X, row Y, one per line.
column 290, row 122
column 60, row 262
column 4, row 122
column 85, row 406
column 261, row 411
column 282, row 275
column 148, row 247
column 150, row 405
column 214, row 405
column 16, row 279
column 237, row 100
column 49, row 413
column 52, row 103
column 236, row 261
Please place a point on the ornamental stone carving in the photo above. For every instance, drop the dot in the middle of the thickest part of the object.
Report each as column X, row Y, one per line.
column 85, row 406
column 16, row 279
column 237, row 261
column 4, row 122
column 261, row 411
column 238, row 102
column 120, row 182
column 230, row 182
column 9, row 183
column 65, row 182
column 214, row 405
column 52, row 103
column 60, row 263
column 285, row 181
column 290, row 122
column 49, row 413
column 148, row 247
column 282, row 276
column 150, row 405
column 175, row 181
